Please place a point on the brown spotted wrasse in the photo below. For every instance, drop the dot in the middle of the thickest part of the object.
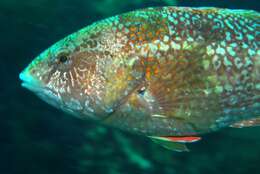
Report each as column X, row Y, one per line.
column 169, row 73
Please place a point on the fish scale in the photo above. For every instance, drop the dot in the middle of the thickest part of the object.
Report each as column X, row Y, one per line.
column 231, row 39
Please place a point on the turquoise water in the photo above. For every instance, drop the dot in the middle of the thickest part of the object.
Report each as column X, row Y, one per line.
column 36, row 138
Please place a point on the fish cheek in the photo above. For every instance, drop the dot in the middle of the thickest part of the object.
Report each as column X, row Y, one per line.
column 85, row 87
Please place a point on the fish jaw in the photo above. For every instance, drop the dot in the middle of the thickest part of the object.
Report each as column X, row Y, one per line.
column 31, row 83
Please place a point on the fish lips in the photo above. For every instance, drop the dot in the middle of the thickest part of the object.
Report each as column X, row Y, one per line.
column 31, row 83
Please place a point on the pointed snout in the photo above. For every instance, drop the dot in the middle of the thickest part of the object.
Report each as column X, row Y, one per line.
column 29, row 81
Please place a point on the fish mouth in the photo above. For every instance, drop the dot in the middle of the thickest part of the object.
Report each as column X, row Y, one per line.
column 33, row 84
column 29, row 82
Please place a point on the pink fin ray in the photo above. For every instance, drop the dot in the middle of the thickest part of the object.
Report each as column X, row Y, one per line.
column 174, row 143
column 190, row 139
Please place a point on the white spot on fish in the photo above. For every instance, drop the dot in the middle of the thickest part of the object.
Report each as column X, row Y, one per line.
column 219, row 89
column 164, row 47
column 153, row 47
column 231, row 51
column 71, row 79
column 227, row 62
column 190, row 39
column 159, row 116
column 238, row 62
column 228, row 36
column 87, row 107
column 210, row 51
column 251, row 52
column 221, row 51
column 74, row 104
column 166, row 38
column 250, row 37
column 175, row 45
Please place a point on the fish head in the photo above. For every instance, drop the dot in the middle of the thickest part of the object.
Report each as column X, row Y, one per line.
column 88, row 83
column 47, row 75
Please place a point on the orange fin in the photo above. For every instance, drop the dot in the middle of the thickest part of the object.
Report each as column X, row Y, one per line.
column 247, row 123
column 174, row 143
column 183, row 139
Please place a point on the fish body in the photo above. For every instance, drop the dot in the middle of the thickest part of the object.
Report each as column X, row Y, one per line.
column 167, row 71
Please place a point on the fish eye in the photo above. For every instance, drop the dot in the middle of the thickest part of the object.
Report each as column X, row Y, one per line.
column 141, row 91
column 63, row 58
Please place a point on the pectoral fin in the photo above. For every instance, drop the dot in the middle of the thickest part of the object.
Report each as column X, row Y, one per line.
column 247, row 123
column 174, row 143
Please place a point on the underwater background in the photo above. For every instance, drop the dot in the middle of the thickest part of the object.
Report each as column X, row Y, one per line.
column 36, row 138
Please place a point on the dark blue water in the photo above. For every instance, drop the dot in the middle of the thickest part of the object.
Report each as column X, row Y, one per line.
column 38, row 139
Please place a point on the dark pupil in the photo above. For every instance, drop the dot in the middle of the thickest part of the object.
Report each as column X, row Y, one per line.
column 141, row 91
column 63, row 58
